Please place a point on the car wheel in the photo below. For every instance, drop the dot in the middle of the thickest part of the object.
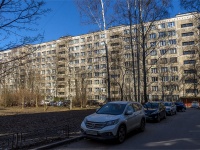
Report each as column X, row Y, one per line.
column 165, row 116
column 158, row 119
column 175, row 112
column 183, row 109
column 142, row 125
column 171, row 113
column 121, row 134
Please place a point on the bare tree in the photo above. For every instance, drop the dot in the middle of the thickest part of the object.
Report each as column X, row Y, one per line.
column 17, row 16
column 96, row 12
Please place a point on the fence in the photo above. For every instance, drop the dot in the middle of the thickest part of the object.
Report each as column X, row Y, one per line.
column 41, row 136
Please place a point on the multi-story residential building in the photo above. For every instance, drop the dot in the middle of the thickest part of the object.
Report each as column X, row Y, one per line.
column 74, row 67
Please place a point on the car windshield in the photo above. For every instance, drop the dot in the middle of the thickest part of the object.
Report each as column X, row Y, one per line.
column 151, row 105
column 167, row 104
column 112, row 109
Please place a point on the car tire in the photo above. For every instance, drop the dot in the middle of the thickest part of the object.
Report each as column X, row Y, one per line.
column 165, row 116
column 175, row 113
column 158, row 118
column 183, row 109
column 121, row 134
column 142, row 125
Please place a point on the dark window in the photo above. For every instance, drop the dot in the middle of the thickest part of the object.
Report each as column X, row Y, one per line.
column 163, row 51
column 163, row 60
column 153, row 61
column 173, row 59
column 188, row 34
column 189, row 62
column 191, row 81
column 191, row 71
column 188, row 43
column 189, row 52
column 186, row 25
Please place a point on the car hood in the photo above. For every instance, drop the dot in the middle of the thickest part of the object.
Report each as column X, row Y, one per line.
column 101, row 117
column 150, row 110
column 168, row 107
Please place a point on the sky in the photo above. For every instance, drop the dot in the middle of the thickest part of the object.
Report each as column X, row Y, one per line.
column 64, row 19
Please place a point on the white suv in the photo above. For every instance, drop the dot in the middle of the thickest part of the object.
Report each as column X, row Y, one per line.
column 114, row 120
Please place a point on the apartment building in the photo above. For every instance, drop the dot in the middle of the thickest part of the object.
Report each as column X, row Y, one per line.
column 74, row 67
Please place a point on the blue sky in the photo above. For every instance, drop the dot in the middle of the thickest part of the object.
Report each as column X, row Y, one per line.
column 64, row 19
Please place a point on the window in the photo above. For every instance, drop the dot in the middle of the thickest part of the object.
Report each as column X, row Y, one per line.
column 191, row 81
column 153, row 61
column 162, row 25
column 152, row 44
column 82, row 53
column 191, row 90
column 163, row 51
column 189, row 61
column 188, row 34
column 114, row 36
column 96, row 81
column 174, row 69
column 152, row 36
column 171, row 33
column 165, row 78
column 82, row 40
column 164, row 69
column 162, row 34
column 154, row 70
column 154, row 79
column 172, row 42
column 170, row 24
column 188, row 52
column 154, row 88
column 96, row 44
column 89, row 39
column 191, row 71
column 186, row 25
column 114, row 44
column 162, row 43
column 82, row 60
column 173, row 60
column 163, row 60
column 153, row 53
column 188, row 43
column 174, row 78
column 127, row 31
column 102, row 36
column 172, row 51
column 96, row 37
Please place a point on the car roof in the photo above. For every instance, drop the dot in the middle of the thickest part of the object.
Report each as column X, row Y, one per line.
column 121, row 102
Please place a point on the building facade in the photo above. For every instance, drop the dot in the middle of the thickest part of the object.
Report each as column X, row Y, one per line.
column 74, row 67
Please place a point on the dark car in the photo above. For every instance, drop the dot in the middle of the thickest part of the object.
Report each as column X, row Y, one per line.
column 180, row 106
column 155, row 110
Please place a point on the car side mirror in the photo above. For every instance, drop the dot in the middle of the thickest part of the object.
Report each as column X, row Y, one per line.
column 128, row 112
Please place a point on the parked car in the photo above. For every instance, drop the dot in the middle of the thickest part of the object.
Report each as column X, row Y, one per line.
column 114, row 120
column 180, row 106
column 170, row 108
column 45, row 102
column 94, row 103
column 155, row 110
column 195, row 104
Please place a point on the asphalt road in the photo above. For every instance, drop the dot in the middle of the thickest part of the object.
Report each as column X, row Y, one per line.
column 178, row 132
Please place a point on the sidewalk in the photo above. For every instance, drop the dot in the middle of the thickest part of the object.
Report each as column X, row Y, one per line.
column 55, row 144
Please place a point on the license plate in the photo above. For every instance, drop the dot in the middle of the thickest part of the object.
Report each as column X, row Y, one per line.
column 91, row 132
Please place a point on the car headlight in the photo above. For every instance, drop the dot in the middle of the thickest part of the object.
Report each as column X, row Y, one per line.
column 85, row 120
column 155, row 112
column 111, row 122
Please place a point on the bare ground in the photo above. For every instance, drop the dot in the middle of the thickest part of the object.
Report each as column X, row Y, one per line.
column 17, row 120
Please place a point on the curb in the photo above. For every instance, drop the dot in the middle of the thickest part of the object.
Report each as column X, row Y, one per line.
column 59, row 143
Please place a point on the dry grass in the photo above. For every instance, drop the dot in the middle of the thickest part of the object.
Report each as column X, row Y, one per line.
column 31, row 110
